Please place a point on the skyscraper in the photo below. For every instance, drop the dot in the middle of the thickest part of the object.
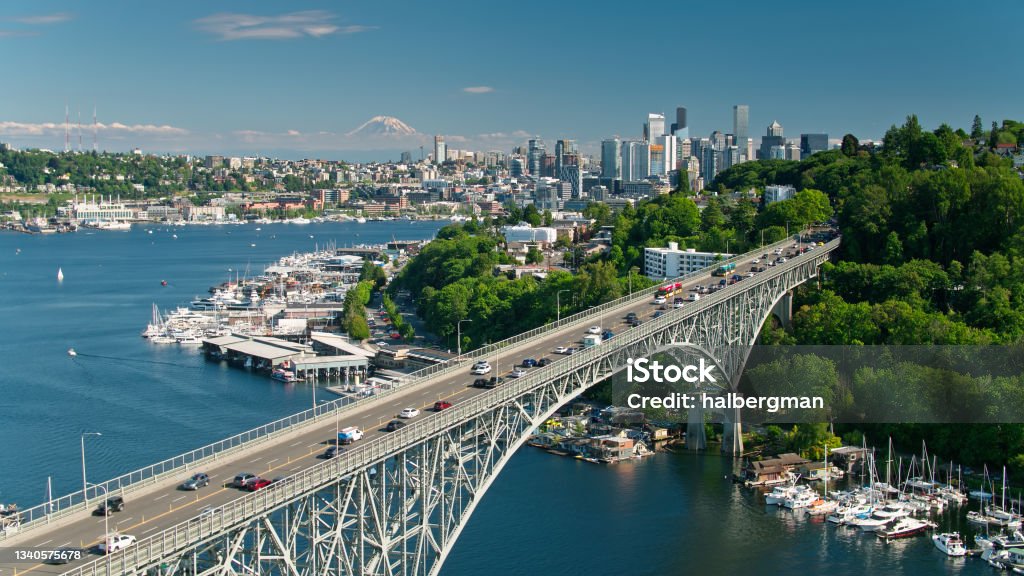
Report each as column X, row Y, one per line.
column 636, row 160
column 564, row 151
column 440, row 150
column 811, row 143
column 740, row 122
column 772, row 139
column 655, row 127
column 679, row 127
column 534, row 155
column 611, row 158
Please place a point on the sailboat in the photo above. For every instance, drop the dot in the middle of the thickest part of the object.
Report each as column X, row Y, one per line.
column 824, row 506
column 60, row 274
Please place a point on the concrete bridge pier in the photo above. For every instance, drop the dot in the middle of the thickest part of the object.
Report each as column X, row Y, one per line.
column 783, row 309
column 732, row 434
column 695, row 438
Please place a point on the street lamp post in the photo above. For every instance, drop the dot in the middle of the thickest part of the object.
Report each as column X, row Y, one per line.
column 458, row 329
column 558, row 304
column 106, row 530
column 85, row 485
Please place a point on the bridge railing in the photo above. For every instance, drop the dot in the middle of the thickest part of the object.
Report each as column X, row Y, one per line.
column 181, row 464
column 150, row 551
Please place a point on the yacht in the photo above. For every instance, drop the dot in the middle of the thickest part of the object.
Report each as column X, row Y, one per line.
column 950, row 543
column 801, row 499
column 1001, row 541
column 283, row 375
column 780, row 493
column 904, row 528
column 822, row 507
column 848, row 513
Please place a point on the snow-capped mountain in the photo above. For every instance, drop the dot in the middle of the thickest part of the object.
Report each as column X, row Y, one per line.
column 383, row 126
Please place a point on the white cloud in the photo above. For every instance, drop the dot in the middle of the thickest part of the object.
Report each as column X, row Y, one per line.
column 44, row 19
column 307, row 23
column 478, row 89
column 114, row 129
column 14, row 33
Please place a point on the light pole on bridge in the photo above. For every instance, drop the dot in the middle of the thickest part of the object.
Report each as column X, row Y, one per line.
column 458, row 330
column 85, row 485
column 106, row 528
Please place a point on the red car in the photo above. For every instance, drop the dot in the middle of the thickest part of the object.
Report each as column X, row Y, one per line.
column 441, row 405
column 256, row 483
column 396, row 336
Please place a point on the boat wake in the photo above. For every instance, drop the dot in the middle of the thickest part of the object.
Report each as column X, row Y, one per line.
column 78, row 355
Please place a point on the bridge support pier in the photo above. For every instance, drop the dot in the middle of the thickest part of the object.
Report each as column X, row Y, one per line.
column 695, row 438
column 732, row 434
column 784, row 310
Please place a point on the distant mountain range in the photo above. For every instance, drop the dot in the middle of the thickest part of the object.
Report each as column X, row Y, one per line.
column 387, row 126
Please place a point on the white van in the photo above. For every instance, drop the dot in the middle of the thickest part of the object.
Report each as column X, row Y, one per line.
column 591, row 340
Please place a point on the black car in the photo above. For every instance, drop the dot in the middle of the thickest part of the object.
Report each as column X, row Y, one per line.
column 333, row 451
column 113, row 504
column 64, row 555
column 631, row 316
column 481, row 383
column 543, row 362
column 396, row 425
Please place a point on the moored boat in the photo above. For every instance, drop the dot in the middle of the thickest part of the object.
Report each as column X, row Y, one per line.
column 950, row 543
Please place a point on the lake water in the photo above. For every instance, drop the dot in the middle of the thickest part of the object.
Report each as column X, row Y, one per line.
column 669, row 514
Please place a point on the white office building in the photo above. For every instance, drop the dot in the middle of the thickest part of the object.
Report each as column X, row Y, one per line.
column 777, row 193
column 525, row 233
column 671, row 262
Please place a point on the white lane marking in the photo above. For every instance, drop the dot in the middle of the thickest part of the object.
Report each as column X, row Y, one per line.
column 179, row 498
column 161, row 496
column 68, row 543
column 255, row 460
column 296, row 444
column 296, row 468
column 99, row 521
column 314, row 444
column 44, row 543
column 124, row 519
column 147, row 531
column 272, row 461
column 397, row 404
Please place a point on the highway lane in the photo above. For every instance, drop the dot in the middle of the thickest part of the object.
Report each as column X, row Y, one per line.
column 154, row 509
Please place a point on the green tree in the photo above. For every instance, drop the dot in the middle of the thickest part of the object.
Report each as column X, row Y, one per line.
column 977, row 130
column 850, row 145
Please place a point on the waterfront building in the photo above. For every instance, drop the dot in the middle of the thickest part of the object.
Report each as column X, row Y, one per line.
column 83, row 211
column 672, row 262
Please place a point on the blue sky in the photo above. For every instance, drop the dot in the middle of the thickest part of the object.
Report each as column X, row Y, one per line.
column 294, row 78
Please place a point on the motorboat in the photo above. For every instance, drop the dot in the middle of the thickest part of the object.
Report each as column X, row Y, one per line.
column 950, row 543
column 904, row 528
column 801, row 499
column 780, row 493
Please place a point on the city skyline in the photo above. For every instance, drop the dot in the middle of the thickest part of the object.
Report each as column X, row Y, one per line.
column 298, row 81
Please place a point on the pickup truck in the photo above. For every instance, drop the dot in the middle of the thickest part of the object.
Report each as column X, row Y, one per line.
column 349, row 435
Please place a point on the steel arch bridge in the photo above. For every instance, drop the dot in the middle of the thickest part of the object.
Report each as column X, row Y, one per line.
column 397, row 504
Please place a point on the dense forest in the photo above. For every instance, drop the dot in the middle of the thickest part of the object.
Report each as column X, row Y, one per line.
column 932, row 253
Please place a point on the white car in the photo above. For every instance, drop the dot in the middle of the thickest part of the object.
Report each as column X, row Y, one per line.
column 782, row 260
column 694, row 297
column 755, row 261
column 562, row 350
column 517, row 373
column 778, row 251
column 409, row 413
column 659, row 300
column 594, row 330
column 482, row 369
column 116, row 542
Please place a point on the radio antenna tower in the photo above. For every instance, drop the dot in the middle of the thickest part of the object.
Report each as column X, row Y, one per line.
column 94, row 128
column 79, row 131
column 67, row 129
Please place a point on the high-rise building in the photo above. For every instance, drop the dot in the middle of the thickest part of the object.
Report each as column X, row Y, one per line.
column 771, row 139
column 792, row 151
column 710, row 162
column 680, row 128
column 516, row 166
column 669, row 144
column 564, row 151
column 406, row 157
column 636, row 160
column 740, row 121
column 811, row 143
column 571, row 174
column 440, row 150
column 655, row 127
column 534, row 156
column 611, row 158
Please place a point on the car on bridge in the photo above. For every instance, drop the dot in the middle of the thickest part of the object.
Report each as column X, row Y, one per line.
column 660, row 300
column 442, row 405
column 64, row 554
column 543, row 362
column 349, row 435
column 481, row 368
column 241, row 479
column 196, row 482
column 256, row 483
column 631, row 316
column 607, row 334
column 594, row 330
column 409, row 413
column 116, row 542
column 517, row 373
column 333, row 451
column 110, row 505
column 488, row 382
column 395, row 425
column 563, row 350
column 528, row 363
